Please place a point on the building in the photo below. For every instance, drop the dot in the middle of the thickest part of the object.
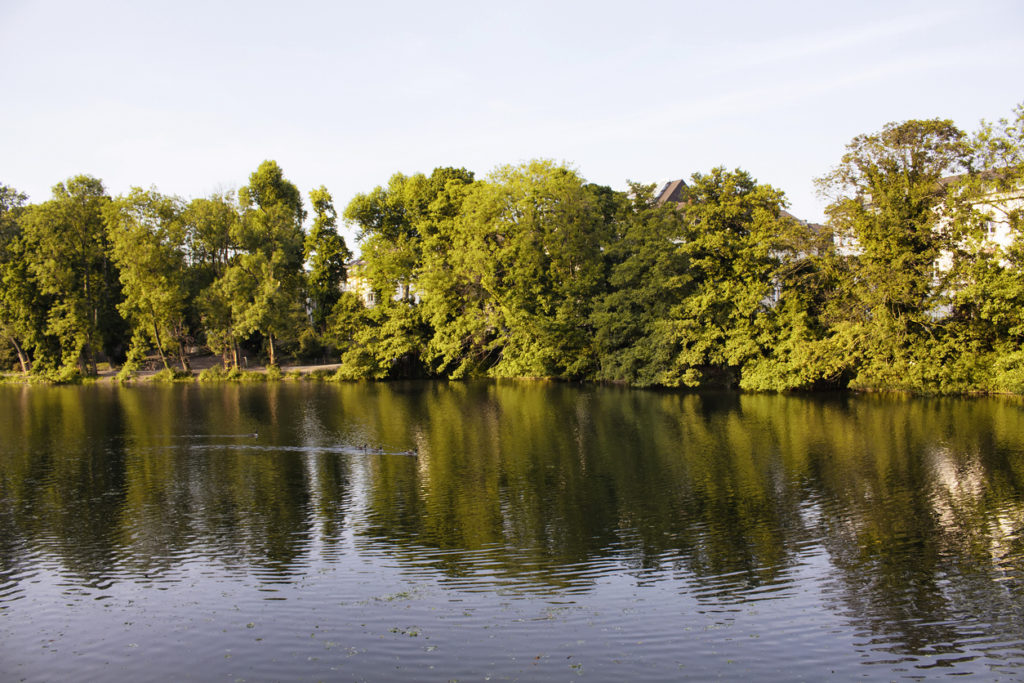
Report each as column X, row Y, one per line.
column 357, row 283
column 996, row 210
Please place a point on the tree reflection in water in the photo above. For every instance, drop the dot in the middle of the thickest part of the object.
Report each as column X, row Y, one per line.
column 908, row 511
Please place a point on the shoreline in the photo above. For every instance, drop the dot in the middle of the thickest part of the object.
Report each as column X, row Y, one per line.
column 202, row 370
column 213, row 373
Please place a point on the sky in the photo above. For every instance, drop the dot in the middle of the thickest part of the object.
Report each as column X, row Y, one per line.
column 190, row 97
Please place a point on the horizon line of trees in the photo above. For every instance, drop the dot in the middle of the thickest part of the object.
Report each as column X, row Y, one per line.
column 533, row 272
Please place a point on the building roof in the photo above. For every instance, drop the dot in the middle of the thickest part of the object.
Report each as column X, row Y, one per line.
column 672, row 191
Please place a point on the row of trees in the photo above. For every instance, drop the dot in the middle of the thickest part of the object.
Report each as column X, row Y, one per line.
column 533, row 272
column 86, row 275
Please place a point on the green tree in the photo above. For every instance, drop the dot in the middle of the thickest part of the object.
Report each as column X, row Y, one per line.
column 210, row 227
column 390, row 222
column 386, row 342
column 524, row 268
column 265, row 299
column 809, row 278
column 70, row 259
column 326, row 256
column 210, row 224
column 218, row 316
column 147, row 244
column 648, row 274
column 729, row 243
column 394, row 224
column 888, row 193
column 22, row 307
column 262, row 284
column 987, row 277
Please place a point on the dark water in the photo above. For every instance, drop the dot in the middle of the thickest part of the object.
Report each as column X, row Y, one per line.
column 543, row 532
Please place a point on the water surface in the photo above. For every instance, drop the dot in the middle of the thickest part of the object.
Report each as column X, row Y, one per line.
column 523, row 531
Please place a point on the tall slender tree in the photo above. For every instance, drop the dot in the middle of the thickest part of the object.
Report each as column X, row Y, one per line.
column 266, row 284
column 326, row 257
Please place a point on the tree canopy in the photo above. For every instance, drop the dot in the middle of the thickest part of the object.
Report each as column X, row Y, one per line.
column 914, row 283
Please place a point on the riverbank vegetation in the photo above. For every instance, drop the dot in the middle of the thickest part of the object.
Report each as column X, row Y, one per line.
column 534, row 272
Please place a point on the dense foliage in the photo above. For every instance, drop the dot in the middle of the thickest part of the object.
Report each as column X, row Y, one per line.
column 533, row 272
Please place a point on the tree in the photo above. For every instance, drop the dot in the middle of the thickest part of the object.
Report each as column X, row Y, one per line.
column 524, row 268
column 809, row 278
column 729, row 244
column 210, row 225
column 395, row 223
column 888, row 193
column 387, row 341
column 988, row 276
column 262, row 282
column 147, row 243
column 326, row 256
column 70, row 259
column 648, row 274
column 22, row 307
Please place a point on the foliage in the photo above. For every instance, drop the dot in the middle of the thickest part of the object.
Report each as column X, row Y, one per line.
column 647, row 273
column 326, row 254
column 146, row 240
column 171, row 375
column 533, row 272
column 694, row 284
column 886, row 193
column 214, row 373
column 22, row 306
column 69, row 257
column 520, row 277
column 890, row 193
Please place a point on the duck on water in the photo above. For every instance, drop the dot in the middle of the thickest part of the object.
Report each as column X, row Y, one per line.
column 365, row 448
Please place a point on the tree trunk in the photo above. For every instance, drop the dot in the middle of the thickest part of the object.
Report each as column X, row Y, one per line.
column 22, row 358
column 270, row 340
column 160, row 346
column 183, row 358
column 90, row 353
column 24, row 362
column 87, row 361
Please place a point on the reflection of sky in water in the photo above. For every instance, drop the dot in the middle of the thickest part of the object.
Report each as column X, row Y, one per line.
column 638, row 535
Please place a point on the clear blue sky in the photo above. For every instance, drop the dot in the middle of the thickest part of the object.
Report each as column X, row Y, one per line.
column 191, row 96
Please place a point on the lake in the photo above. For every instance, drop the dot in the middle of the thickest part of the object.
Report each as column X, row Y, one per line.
column 506, row 531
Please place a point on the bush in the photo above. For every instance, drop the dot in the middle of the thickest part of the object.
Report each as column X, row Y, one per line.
column 1008, row 373
column 212, row 374
column 68, row 374
column 171, row 375
column 310, row 346
column 321, row 375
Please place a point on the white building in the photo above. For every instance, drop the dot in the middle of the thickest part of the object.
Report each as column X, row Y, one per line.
column 357, row 283
column 995, row 209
